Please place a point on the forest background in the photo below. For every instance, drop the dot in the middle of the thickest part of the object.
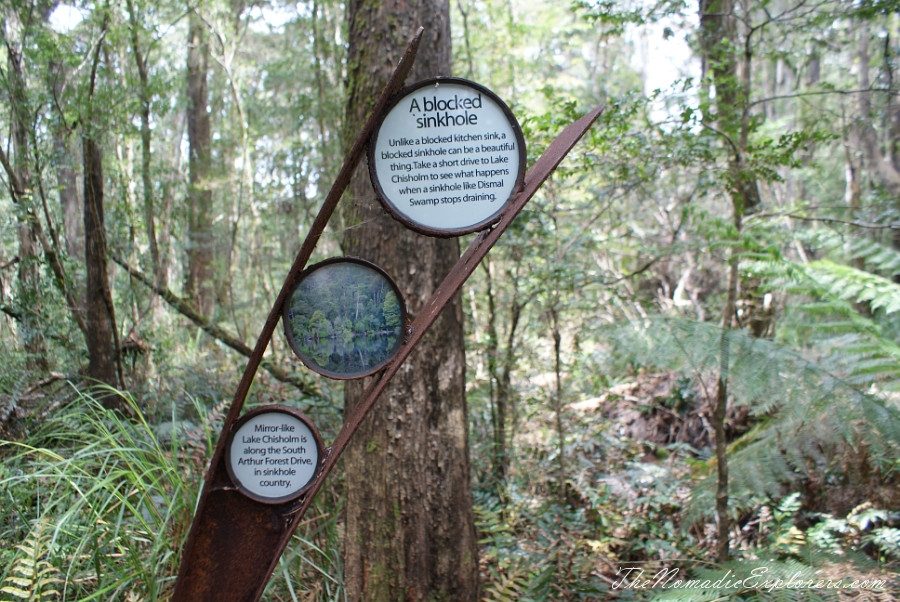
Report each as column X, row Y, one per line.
column 682, row 355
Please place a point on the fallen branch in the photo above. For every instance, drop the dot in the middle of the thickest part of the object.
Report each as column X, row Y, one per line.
column 187, row 310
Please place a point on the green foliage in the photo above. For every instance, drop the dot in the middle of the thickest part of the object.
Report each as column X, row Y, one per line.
column 865, row 527
column 628, row 246
column 536, row 554
column 32, row 576
column 803, row 406
column 787, row 563
column 859, row 286
column 113, row 501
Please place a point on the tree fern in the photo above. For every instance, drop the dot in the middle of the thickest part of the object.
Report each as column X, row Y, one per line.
column 875, row 256
column 802, row 403
column 32, row 576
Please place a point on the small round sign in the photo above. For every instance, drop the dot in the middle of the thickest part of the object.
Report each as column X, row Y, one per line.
column 344, row 318
column 274, row 454
column 446, row 157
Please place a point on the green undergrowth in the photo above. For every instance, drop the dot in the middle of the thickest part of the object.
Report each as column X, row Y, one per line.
column 97, row 504
column 103, row 499
column 622, row 527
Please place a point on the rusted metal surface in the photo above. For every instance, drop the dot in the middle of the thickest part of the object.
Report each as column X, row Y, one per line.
column 235, row 542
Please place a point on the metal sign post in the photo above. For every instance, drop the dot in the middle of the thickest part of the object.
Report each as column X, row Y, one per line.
column 269, row 464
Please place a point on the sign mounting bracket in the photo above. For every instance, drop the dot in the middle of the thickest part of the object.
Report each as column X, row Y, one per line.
column 235, row 541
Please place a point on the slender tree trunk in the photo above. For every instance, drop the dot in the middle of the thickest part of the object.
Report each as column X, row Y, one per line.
column 101, row 333
column 28, row 295
column 729, row 71
column 500, row 463
column 557, row 402
column 720, row 409
column 410, row 525
column 882, row 160
column 199, row 285
column 66, row 160
column 159, row 271
column 100, row 317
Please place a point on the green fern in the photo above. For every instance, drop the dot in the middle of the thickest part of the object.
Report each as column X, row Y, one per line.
column 120, row 502
column 763, row 579
column 32, row 577
column 859, row 286
column 804, row 404
column 874, row 255
column 508, row 583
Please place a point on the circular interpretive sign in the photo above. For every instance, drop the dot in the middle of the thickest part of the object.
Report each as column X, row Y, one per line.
column 447, row 156
column 344, row 318
column 274, row 454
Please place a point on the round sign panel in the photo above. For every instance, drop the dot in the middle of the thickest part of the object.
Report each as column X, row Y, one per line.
column 274, row 454
column 344, row 318
column 447, row 156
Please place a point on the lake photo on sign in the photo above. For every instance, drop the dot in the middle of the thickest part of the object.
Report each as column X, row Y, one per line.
column 344, row 318
column 447, row 156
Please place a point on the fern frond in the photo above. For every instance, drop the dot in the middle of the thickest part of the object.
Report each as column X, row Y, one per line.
column 876, row 256
column 806, row 404
column 33, row 577
column 509, row 583
column 849, row 283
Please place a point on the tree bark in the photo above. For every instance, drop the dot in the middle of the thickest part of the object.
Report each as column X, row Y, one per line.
column 730, row 75
column 159, row 269
column 101, row 334
column 28, row 294
column 199, row 284
column 66, row 160
column 882, row 160
column 410, row 523
column 102, row 357
column 500, row 374
column 720, row 410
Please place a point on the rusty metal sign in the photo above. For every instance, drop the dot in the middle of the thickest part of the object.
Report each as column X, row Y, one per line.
column 245, row 520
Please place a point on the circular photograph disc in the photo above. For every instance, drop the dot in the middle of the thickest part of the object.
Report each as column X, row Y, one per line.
column 274, row 454
column 446, row 157
column 344, row 318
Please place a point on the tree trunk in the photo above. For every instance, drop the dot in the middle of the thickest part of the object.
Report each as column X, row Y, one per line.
column 410, row 524
column 882, row 162
column 730, row 74
column 29, row 286
column 500, row 376
column 199, row 285
column 66, row 160
column 159, row 271
column 99, row 315
column 720, row 410
column 100, row 334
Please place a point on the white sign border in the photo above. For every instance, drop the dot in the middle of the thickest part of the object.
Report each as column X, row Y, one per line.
column 402, row 217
